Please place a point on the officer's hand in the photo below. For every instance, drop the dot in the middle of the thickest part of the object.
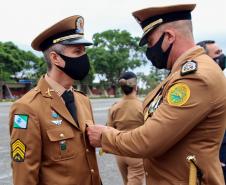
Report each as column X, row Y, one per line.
column 94, row 133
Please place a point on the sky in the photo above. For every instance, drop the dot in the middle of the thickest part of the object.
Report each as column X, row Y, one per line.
column 21, row 21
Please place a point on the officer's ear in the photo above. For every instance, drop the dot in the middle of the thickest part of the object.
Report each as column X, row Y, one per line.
column 170, row 36
column 56, row 59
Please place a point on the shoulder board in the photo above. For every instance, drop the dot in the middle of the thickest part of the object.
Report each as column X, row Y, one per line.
column 80, row 92
column 189, row 67
column 30, row 95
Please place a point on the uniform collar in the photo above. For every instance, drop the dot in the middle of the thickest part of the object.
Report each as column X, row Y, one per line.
column 188, row 55
column 55, row 101
column 59, row 89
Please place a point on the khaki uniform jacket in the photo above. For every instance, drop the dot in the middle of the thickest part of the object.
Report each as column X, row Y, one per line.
column 172, row 132
column 52, row 149
column 127, row 114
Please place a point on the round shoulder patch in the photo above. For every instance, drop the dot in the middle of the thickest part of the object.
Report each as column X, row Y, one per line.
column 178, row 94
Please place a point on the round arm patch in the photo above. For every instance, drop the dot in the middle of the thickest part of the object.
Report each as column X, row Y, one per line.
column 178, row 94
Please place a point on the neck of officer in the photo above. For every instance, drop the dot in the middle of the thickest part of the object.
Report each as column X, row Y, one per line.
column 178, row 49
column 133, row 94
column 60, row 77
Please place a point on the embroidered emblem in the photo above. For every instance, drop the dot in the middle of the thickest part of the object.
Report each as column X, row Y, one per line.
column 20, row 121
column 57, row 122
column 189, row 67
column 178, row 94
column 18, row 150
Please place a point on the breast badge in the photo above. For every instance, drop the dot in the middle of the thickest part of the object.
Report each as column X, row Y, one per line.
column 178, row 94
column 56, row 116
column 153, row 106
column 57, row 122
column 63, row 145
column 18, row 151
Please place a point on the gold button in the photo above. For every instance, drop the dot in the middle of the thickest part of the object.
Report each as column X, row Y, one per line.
column 146, row 173
column 92, row 170
column 61, row 135
column 87, row 150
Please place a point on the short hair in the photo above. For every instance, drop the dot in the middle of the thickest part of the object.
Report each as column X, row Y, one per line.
column 204, row 43
column 59, row 48
column 183, row 26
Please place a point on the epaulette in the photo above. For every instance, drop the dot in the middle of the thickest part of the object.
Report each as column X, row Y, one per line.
column 80, row 92
column 30, row 95
column 189, row 67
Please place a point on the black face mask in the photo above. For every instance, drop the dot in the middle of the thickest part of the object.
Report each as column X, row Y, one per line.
column 157, row 56
column 220, row 60
column 75, row 67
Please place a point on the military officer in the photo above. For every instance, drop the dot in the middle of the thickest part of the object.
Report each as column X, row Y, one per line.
column 125, row 115
column 185, row 115
column 47, row 125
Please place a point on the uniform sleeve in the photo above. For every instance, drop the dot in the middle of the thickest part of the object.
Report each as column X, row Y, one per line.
column 91, row 109
column 168, row 124
column 110, row 122
column 25, row 144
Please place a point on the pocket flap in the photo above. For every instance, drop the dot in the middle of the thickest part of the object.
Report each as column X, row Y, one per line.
column 58, row 134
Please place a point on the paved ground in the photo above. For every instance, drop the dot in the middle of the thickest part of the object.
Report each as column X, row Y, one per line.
column 107, row 165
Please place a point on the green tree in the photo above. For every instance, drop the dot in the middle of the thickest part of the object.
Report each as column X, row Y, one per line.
column 150, row 81
column 115, row 51
column 40, row 67
column 16, row 63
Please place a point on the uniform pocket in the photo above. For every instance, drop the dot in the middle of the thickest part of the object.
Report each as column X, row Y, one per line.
column 62, row 145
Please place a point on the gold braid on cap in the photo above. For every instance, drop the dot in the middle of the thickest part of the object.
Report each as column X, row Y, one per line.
column 66, row 38
column 130, row 82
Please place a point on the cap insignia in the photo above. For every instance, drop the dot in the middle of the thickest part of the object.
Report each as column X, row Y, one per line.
column 79, row 24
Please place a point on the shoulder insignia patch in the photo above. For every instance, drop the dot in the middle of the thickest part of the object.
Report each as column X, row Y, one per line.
column 18, row 150
column 178, row 94
column 20, row 121
column 188, row 67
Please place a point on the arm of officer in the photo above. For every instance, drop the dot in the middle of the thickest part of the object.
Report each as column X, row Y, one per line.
column 168, row 124
column 110, row 122
column 25, row 144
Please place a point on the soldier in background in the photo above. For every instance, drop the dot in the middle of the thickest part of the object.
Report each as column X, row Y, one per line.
column 126, row 115
column 214, row 51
